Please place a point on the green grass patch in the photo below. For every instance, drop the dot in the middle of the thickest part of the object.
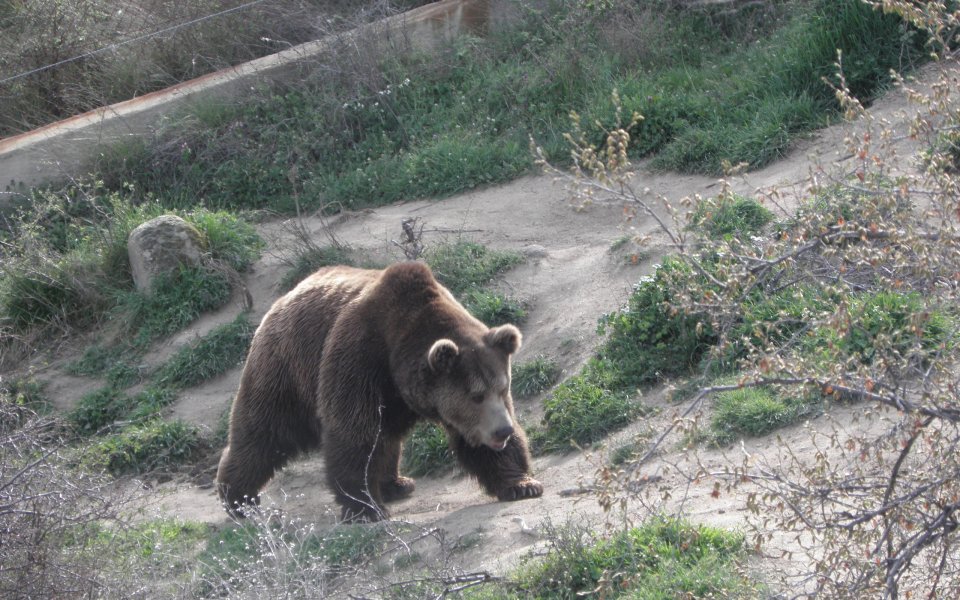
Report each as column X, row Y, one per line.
column 159, row 539
column 178, row 299
column 150, row 402
column 228, row 238
column 754, row 412
column 145, row 447
column 220, row 350
column 731, row 216
column 663, row 559
column 888, row 326
column 533, row 377
column 25, row 392
column 715, row 88
column 427, row 452
column 98, row 409
column 463, row 266
column 348, row 544
column 493, row 308
column 236, row 554
column 580, row 411
column 649, row 339
column 64, row 261
column 622, row 454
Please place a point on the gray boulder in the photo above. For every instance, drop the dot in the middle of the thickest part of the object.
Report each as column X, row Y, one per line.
column 162, row 245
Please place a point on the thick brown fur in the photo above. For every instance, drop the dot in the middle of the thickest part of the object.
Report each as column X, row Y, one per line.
column 356, row 357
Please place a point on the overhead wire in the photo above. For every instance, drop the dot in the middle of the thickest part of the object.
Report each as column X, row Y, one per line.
column 133, row 40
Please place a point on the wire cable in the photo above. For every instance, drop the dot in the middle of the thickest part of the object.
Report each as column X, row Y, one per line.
column 140, row 38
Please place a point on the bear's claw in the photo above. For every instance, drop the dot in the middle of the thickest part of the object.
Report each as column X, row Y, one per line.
column 525, row 488
column 398, row 488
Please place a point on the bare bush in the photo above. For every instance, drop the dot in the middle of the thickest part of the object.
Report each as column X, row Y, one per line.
column 49, row 509
column 859, row 284
column 273, row 555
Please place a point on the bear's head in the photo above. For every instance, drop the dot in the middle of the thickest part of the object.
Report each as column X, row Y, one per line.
column 470, row 385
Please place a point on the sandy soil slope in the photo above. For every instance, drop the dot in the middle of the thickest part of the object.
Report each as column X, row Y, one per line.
column 570, row 278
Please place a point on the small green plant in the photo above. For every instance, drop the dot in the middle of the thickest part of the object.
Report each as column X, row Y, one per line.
column 147, row 446
column 426, row 451
column 96, row 359
column 220, row 350
column 351, row 544
column 464, row 266
column 493, row 308
column 24, row 393
column 758, row 411
column 99, row 409
column 623, row 453
column 532, row 377
column 891, row 325
column 51, row 290
column 649, row 339
column 108, row 405
column 580, row 411
column 229, row 239
column 158, row 539
column 177, row 300
column 731, row 216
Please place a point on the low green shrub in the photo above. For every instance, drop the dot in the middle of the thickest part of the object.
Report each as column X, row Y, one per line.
column 52, row 289
column 649, row 339
column 888, row 325
column 229, row 239
column 493, row 308
column 235, row 556
column 426, row 451
column 661, row 559
column 532, row 377
column 463, row 266
column 146, row 446
column 222, row 349
column 731, row 216
column 759, row 411
column 177, row 300
column 580, row 411
column 309, row 261
column 99, row 409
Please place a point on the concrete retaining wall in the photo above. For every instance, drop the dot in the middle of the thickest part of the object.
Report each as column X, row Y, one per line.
column 60, row 151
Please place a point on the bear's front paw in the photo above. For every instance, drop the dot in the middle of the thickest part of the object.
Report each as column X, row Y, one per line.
column 525, row 488
column 398, row 488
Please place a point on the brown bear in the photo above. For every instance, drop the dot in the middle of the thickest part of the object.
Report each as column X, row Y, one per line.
column 355, row 357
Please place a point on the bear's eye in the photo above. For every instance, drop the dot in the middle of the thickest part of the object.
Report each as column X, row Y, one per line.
column 477, row 398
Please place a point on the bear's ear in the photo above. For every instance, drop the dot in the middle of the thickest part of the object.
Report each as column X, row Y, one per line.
column 443, row 355
column 505, row 337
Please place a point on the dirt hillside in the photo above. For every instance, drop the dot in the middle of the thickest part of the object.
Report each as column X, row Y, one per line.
column 570, row 278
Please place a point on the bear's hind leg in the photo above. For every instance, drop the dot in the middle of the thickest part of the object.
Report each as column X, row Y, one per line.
column 250, row 460
column 354, row 472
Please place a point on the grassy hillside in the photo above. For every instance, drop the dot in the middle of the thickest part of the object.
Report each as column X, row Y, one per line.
column 383, row 125
column 843, row 302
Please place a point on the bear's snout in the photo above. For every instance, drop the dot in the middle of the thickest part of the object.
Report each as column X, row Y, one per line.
column 503, row 434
